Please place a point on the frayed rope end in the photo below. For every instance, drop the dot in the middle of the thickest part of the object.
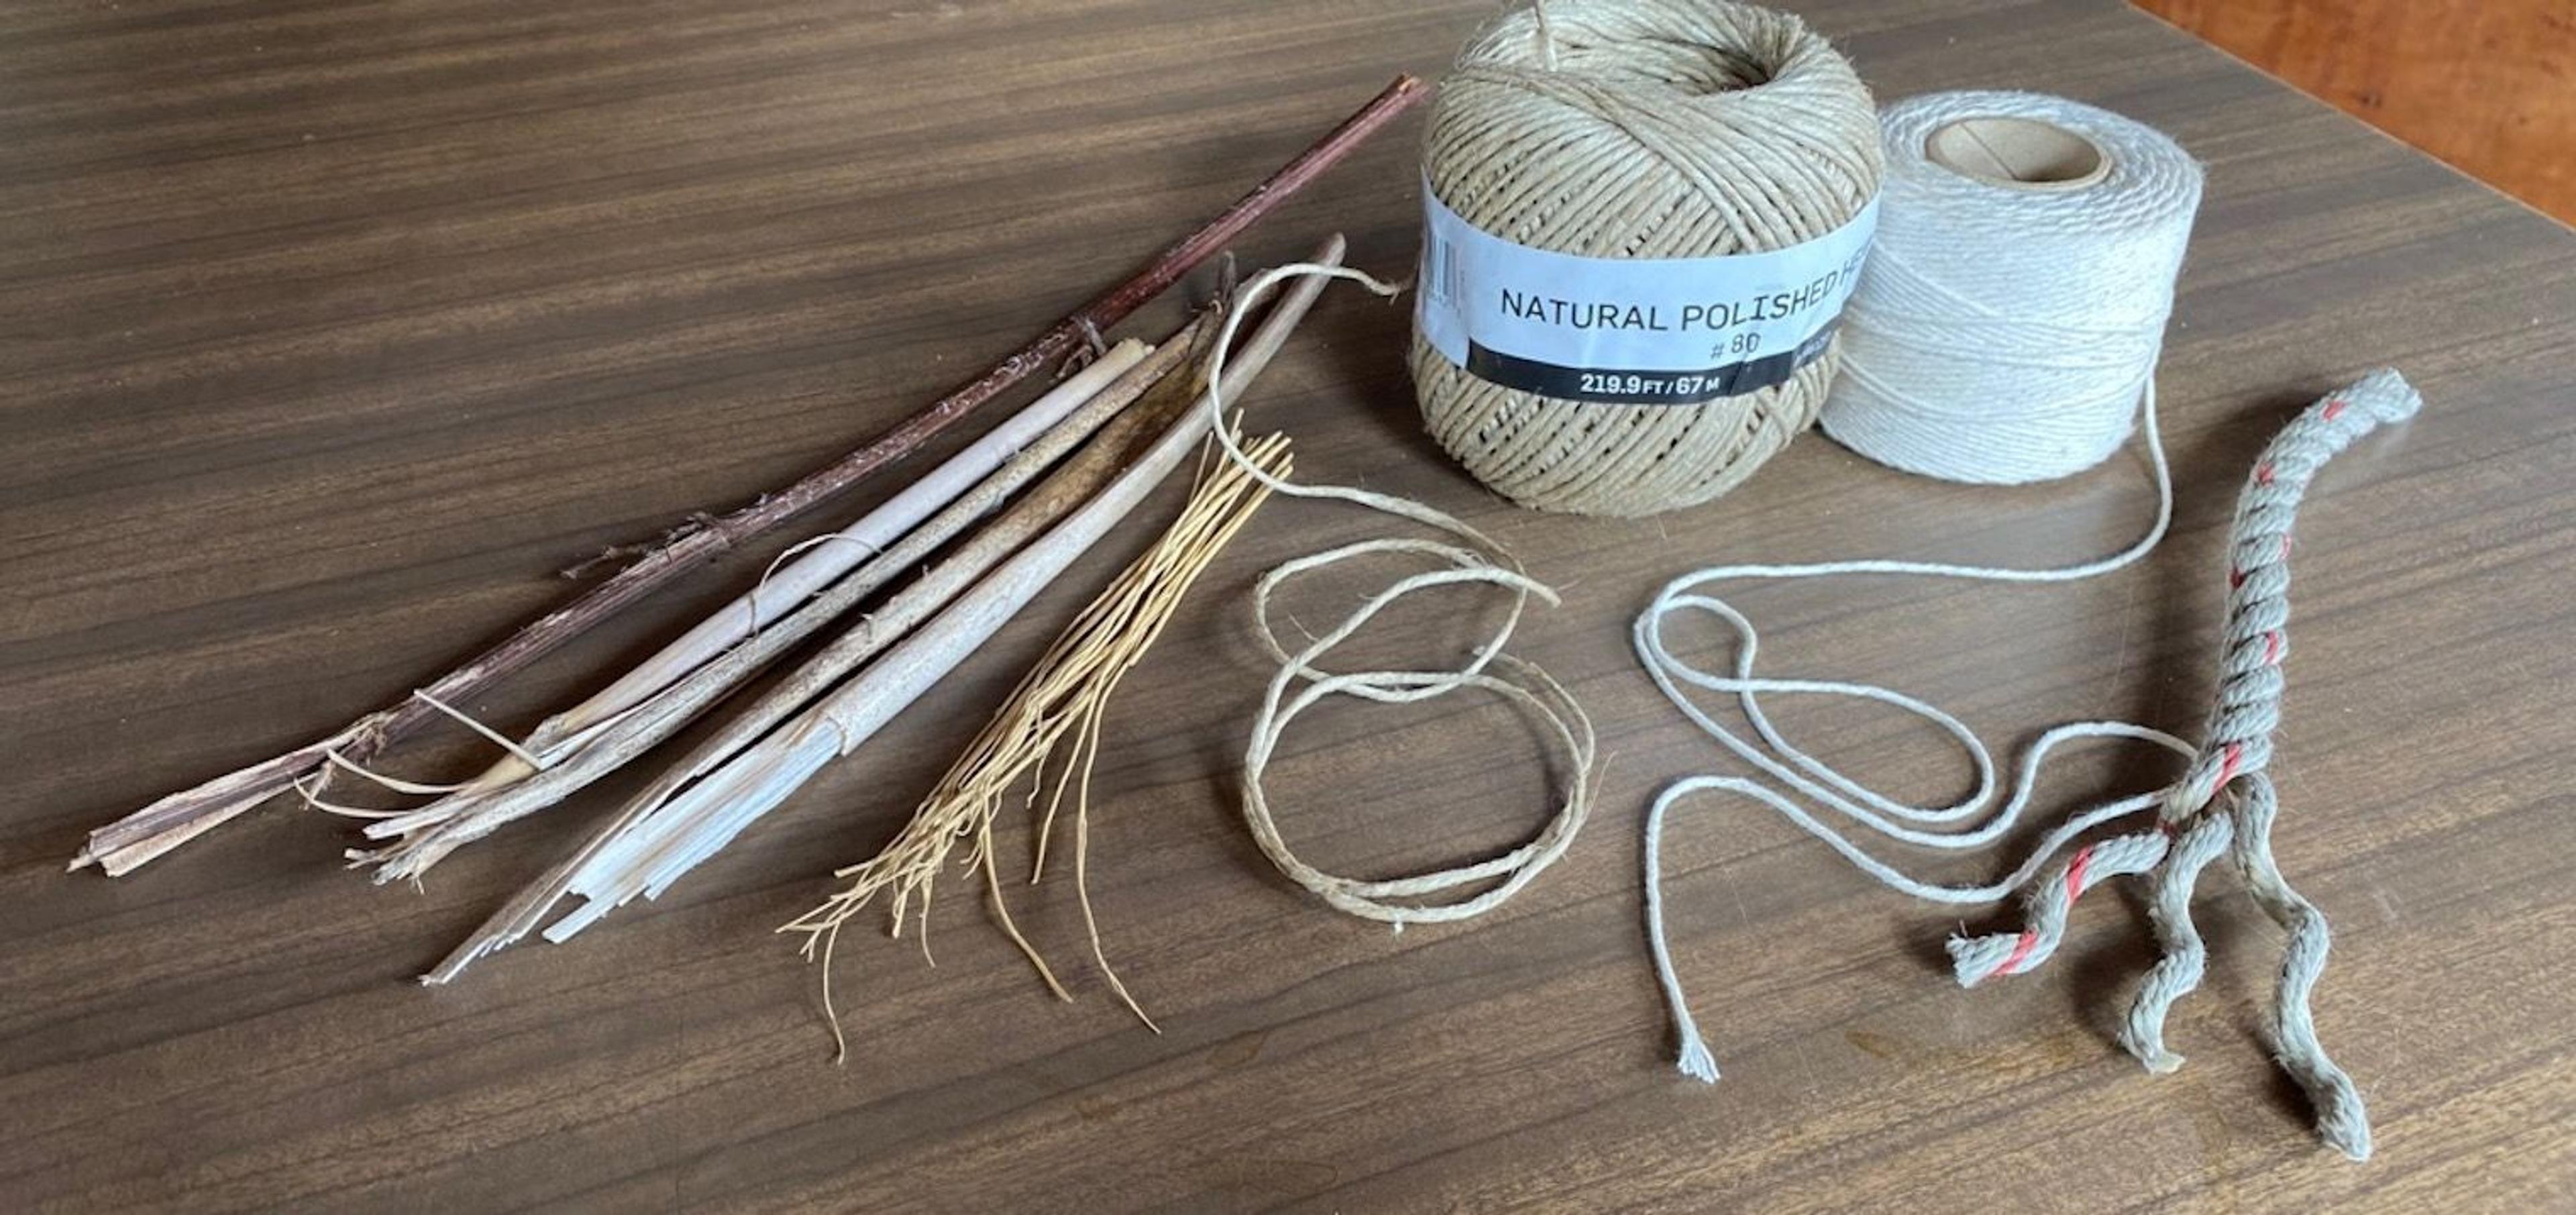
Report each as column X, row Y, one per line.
column 2346, row 1133
column 1694, row 1060
column 2343, row 1122
column 2384, row 395
column 2157, row 1059
column 1973, row 960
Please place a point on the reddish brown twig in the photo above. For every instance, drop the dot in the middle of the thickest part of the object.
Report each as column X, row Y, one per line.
column 130, row 842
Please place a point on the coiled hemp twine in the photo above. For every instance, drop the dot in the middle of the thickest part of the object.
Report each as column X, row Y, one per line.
column 1640, row 129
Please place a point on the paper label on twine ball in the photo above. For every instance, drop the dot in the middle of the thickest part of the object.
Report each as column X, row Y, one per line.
column 1631, row 331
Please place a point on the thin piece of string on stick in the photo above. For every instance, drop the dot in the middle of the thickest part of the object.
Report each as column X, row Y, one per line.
column 751, row 602
column 312, row 794
column 333, row 759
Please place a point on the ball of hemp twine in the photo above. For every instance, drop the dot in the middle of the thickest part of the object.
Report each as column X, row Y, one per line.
column 1640, row 129
column 2015, row 298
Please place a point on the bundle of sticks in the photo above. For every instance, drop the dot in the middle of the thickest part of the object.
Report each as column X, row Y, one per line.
column 989, row 529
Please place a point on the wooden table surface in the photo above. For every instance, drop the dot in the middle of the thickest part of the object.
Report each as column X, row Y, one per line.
column 329, row 331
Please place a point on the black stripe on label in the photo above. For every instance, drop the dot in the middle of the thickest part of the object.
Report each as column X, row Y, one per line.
column 1616, row 386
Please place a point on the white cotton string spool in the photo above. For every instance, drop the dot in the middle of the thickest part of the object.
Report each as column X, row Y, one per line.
column 2016, row 292
column 1639, row 129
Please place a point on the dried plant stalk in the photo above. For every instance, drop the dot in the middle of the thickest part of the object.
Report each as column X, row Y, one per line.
column 138, row 838
column 700, row 803
column 575, row 759
column 1066, row 694
column 836, row 553
column 1053, row 498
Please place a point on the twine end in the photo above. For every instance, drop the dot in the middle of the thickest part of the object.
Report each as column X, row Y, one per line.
column 2354, row 1145
column 2148, row 1047
column 1970, row 959
column 1694, row 1060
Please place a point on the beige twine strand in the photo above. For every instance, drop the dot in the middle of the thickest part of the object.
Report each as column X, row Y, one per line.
column 1398, row 901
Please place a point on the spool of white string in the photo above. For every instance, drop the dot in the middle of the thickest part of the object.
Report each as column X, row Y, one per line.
column 2017, row 289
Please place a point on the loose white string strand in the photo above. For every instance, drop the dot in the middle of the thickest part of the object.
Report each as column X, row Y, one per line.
column 1822, row 785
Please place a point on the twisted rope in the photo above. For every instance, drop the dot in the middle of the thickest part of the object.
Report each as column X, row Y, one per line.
column 2194, row 824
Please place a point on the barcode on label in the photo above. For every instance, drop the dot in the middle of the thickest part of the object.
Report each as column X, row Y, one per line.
column 1447, row 281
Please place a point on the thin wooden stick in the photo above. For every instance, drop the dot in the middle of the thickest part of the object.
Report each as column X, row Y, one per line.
column 132, row 841
column 789, row 583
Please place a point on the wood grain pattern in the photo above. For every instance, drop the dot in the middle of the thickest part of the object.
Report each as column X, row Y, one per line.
column 2488, row 85
column 327, row 332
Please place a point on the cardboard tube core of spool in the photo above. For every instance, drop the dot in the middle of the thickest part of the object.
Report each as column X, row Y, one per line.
column 2023, row 153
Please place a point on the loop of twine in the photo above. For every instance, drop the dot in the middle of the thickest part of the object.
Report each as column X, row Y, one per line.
column 1400, row 901
column 1527, row 687
column 1814, row 788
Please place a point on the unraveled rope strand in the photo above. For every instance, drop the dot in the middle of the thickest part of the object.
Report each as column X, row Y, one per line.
column 2194, row 824
column 1401, row 900
column 2236, row 750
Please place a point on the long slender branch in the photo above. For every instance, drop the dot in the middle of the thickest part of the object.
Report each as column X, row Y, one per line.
column 136, row 839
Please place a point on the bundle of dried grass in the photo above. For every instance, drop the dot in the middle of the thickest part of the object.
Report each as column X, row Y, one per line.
column 1065, row 695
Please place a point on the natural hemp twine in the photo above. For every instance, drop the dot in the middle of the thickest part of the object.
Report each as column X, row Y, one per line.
column 1640, row 129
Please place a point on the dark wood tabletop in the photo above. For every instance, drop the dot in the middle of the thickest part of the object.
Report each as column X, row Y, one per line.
column 330, row 331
